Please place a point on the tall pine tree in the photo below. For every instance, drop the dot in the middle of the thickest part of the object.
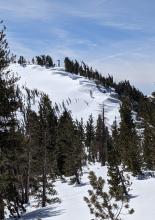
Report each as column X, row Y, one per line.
column 9, row 102
column 129, row 142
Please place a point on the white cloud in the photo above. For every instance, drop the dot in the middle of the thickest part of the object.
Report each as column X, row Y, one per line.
column 29, row 9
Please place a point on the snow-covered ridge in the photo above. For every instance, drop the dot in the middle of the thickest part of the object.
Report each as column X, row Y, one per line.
column 80, row 95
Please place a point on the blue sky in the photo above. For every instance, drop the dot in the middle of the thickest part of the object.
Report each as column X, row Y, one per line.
column 114, row 36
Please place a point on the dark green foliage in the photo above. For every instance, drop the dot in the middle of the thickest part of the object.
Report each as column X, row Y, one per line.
column 47, row 123
column 124, row 89
column 44, row 60
column 149, row 146
column 30, row 141
column 129, row 142
column 102, row 204
column 69, row 66
column 102, row 140
column 22, row 61
column 70, row 152
column 114, row 154
column 90, row 140
column 9, row 139
column 119, row 182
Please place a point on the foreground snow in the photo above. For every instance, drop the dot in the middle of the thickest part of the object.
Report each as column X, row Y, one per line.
column 79, row 94
column 73, row 206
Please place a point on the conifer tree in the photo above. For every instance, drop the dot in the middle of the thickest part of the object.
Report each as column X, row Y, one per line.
column 9, row 102
column 119, row 182
column 70, row 150
column 129, row 142
column 149, row 146
column 101, row 139
column 67, row 63
column 30, row 131
column 76, row 67
column 49, row 61
column 22, row 60
column 90, row 139
column 46, row 115
column 102, row 204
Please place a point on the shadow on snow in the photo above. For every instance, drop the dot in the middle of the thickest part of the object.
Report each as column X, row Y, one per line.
column 41, row 213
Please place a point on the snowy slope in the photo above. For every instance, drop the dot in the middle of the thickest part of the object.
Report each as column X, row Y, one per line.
column 79, row 95
column 73, row 206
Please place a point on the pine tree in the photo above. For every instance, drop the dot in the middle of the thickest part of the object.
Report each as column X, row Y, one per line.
column 49, row 61
column 67, row 63
column 130, row 146
column 22, row 61
column 9, row 102
column 70, row 152
column 90, row 140
column 46, row 115
column 76, row 67
column 119, row 182
column 149, row 146
column 29, row 127
column 101, row 140
column 114, row 154
column 101, row 204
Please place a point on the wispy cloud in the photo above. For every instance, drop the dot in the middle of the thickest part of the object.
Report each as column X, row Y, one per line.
column 30, row 9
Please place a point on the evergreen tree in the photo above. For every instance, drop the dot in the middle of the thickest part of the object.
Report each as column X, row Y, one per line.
column 101, row 140
column 30, row 131
column 22, row 60
column 90, row 140
column 129, row 142
column 76, row 67
column 46, row 119
column 101, row 204
column 44, row 60
column 149, row 146
column 9, row 102
column 67, row 64
column 70, row 151
column 49, row 61
column 119, row 182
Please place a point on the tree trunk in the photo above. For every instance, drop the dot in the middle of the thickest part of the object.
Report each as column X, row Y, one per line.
column 104, row 151
column 28, row 178
column 77, row 178
column 122, row 182
column 44, row 177
column 22, row 190
column 1, row 208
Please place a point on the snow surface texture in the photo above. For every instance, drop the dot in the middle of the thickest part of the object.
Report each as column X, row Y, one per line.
column 80, row 95
column 73, row 206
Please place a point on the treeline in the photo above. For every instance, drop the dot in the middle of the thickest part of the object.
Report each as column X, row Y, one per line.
column 123, row 88
column 42, row 60
column 86, row 71
column 142, row 105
